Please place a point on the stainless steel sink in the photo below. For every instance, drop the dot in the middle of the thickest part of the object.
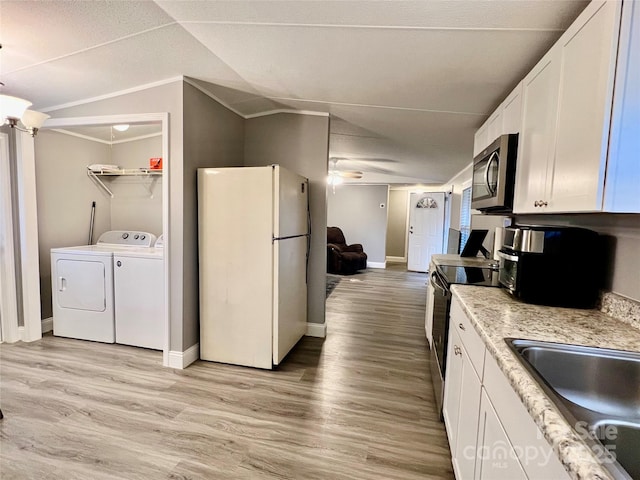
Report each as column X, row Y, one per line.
column 598, row 392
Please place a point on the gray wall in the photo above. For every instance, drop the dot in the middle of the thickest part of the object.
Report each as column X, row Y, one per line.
column 164, row 98
column 397, row 223
column 64, row 196
column 299, row 143
column 356, row 210
column 137, row 202
column 621, row 251
column 213, row 137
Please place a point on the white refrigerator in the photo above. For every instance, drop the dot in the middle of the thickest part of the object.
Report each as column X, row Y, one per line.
column 253, row 229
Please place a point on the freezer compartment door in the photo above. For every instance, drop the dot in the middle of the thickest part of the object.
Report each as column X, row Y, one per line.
column 290, row 290
column 80, row 285
column 291, row 209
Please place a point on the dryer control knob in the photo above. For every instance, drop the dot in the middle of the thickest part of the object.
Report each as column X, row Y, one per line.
column 143, row 237
column 136, row 236
column 125, row 235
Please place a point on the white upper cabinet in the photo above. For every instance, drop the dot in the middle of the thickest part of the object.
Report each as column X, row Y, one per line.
column 481, row 139
column 512, row 112
column 494, row 125
column 535, row 152
column 623, row 167
column 507, row 118
column 567, row 161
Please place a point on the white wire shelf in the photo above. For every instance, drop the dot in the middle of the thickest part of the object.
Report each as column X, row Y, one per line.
column 94, row 174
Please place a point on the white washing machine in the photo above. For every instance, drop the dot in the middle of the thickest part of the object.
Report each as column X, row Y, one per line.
column 139, row 296
column 82, row 285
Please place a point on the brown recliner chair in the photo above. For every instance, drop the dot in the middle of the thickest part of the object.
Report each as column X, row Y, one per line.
column 343, row 259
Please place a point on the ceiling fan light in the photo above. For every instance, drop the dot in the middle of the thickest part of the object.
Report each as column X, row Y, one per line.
column 122, row 128
column 334, row 179
column 34, row 120
column 12, row 107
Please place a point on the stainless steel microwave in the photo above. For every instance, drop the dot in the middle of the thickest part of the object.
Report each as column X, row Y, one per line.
column 494, row 175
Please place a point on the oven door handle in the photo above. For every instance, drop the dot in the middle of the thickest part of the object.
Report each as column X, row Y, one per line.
column 513, row 258
column 436, row 284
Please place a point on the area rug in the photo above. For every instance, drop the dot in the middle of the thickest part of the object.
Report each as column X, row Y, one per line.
column 332, row 282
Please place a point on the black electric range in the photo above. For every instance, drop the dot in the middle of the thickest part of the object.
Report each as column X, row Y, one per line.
column 441, row 279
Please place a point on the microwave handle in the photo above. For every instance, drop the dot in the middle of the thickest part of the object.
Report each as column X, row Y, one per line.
column 492, row 158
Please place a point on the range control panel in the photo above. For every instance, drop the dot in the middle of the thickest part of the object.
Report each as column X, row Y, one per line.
column 130, row 238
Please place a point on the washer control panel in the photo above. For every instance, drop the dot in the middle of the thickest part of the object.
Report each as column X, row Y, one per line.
column 129, row 238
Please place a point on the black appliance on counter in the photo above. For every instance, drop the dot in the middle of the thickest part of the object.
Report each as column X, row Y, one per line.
column 494, row 175
column 556, row 266
column 441, row 279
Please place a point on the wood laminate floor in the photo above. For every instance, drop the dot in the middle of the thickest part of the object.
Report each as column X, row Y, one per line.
column 357, row 405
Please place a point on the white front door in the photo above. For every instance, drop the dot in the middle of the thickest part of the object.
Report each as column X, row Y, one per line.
column 426, row 229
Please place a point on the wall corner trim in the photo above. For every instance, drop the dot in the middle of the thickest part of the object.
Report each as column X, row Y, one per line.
column 182, row 360
column 377, row 264
column 316, row 330
column 47, row 325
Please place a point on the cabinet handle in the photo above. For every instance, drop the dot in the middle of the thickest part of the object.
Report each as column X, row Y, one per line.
column 462, row 327
column 457, row 350
column 536, row 203
column 543, row 204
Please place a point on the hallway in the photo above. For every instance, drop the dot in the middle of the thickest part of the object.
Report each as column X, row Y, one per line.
column 357, row 405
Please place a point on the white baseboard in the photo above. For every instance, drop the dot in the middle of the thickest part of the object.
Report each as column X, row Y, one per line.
column 47, row 325
column 182, row 360
column 397, row 259
column 316, row 330
column 377, row 264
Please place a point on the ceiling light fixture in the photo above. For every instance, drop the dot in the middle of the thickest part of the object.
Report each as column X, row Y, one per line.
column 122, row 128
column 14, row 110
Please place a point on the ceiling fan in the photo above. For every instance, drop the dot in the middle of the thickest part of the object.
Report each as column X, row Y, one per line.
column 336, row 175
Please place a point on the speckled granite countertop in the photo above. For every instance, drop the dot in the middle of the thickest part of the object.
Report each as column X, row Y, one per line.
column 458, row 261
column 496, row 315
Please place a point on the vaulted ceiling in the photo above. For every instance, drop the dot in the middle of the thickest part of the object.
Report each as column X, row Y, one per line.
column 406, row 82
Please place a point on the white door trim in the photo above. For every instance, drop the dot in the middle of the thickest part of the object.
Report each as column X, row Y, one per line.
column 8, row 302
column 28, row 225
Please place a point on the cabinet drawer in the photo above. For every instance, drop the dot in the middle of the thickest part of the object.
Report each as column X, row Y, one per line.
column 472, row 342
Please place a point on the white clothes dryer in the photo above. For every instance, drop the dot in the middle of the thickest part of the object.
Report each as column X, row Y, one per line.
column 82, row 286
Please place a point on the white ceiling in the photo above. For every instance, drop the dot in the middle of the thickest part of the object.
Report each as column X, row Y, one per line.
column 406, row 82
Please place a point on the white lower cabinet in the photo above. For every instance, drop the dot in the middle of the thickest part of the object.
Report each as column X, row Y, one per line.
column 491, row 434
column 496, row 457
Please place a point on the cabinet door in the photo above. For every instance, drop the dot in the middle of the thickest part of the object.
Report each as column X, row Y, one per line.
column 623, row 167
column 452, row 389
column 512, row 112
column 587, row 65
column 537, row 137
column 495, row 125
column 481, row 139
column 496, row 459
column 464, row 458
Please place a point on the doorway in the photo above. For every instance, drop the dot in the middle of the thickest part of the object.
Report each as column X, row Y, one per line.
column 152, row 193
column 426, row 229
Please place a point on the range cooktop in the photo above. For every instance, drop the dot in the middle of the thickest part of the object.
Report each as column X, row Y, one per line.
column 482, row 276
